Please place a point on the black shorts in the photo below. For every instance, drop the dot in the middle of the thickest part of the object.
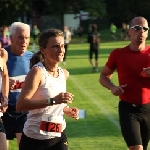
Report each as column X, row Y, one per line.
column 2, row 126
column 58, row 143
column 13, row 122
column 135, row 123
column 95, row 52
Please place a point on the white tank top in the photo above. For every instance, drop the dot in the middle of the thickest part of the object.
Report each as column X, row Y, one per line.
column 49, row 88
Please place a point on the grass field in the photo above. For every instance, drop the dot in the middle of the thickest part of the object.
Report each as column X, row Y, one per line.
column 100, row 129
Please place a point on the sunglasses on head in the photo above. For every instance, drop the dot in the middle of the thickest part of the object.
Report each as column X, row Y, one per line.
column 138, row 27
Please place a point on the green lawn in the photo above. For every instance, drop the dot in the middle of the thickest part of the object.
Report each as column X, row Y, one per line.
column 100, row 129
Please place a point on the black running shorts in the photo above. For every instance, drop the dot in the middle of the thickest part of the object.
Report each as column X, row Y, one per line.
column 58, row 143
column 135, row 123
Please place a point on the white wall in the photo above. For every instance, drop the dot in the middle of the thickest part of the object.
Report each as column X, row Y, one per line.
column 84, row 15
column 69, row 21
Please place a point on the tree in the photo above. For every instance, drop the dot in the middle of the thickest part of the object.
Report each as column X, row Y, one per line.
column 96, row 8
column 50, row 7
column 10, row 10
column 125, row 10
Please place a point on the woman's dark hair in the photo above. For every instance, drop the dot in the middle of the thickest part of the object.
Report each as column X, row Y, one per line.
column 45, row 35
column 37, row 57
column 43, row 41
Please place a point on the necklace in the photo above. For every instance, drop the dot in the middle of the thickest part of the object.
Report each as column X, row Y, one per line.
column 49, row 69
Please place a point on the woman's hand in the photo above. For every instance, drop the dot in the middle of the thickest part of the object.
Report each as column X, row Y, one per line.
column 71, row 112
column 63, row 98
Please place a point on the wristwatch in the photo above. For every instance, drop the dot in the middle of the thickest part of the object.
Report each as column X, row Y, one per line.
column 50, row 101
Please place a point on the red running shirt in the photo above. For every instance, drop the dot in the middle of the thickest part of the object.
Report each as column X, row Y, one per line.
column 129, row 65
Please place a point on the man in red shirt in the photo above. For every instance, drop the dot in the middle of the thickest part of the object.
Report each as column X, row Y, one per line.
column 133, row 66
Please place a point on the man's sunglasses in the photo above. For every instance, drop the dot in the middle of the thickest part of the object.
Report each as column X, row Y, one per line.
column 138, row 27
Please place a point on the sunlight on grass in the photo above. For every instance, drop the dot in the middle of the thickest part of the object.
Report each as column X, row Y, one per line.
column 13, row 145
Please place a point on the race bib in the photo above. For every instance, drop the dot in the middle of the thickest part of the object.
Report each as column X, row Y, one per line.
column 19, row 84
column 51, row 125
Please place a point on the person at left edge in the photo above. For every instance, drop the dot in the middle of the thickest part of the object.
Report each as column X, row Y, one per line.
column 18, row 66
column 4, row 89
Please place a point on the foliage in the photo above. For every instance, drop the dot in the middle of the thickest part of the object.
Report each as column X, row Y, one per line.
column 10, row 10
column 125, row 10
column 117, row 11
column 96, row 8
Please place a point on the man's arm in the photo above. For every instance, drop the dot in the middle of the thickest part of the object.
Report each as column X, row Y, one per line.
column 105, row 80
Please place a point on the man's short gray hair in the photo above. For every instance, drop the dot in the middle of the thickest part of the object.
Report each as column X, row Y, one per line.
column 15, row 25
